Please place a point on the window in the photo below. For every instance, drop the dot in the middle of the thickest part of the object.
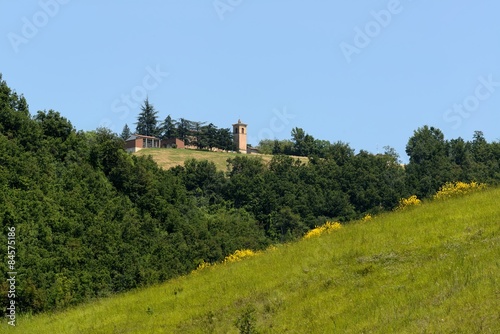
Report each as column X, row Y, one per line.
column 242, row 130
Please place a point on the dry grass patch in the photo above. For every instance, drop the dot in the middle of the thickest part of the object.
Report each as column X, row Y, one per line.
column 171, row 157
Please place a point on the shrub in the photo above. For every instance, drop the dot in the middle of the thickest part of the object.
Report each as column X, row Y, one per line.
column 453, row 189
column 236, row 256
column 326, row 228
column 407, row 202
column 239, row 254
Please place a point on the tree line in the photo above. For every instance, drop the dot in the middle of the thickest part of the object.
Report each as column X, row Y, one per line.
column 93, row 220
column 433, row 159
column 192, row 133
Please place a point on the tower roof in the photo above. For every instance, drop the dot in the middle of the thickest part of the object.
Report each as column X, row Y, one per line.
column 240, row 123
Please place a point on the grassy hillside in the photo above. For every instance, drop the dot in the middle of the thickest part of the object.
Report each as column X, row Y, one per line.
column 428, row 269
column 168, row 158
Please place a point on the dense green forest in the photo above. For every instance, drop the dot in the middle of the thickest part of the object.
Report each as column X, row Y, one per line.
column 92, row 220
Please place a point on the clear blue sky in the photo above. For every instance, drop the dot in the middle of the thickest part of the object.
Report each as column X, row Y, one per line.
column 364, row 72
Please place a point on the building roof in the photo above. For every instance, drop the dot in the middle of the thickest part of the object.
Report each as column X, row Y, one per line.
column 135, row 136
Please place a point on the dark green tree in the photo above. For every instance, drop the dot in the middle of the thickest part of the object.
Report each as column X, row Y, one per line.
column 495, row 163
column 283, row 147
column 19, row 103
column 168, row 128
column 6, row 95
column 202, row 179
column 461, row 160
column 224, row 139
column 340, row 152
column 285, row 225
column 14, row 115
column 147, row 121
column 429, row 167
column 303, row 143
column 125, row 132
column 210, row 134
column 199, row 135
column 54, row 125
column 106, row 150
column 185, row 130
column 484, row 162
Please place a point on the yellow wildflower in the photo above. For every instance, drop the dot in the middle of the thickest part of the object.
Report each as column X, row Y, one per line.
column 326, row 228
column 452, row 189
column 239, row 254
column 410, row 201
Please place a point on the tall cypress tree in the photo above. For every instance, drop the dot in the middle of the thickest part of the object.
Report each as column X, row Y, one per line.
column 147, row 122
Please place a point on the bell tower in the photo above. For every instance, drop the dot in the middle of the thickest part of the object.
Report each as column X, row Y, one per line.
column 240, row 136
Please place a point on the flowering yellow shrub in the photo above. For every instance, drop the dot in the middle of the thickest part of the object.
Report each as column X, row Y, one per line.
column 367, row 217
column 239, row 254
column 410, row 201
column 236, row 256
column 452, row 189
column 326, row 228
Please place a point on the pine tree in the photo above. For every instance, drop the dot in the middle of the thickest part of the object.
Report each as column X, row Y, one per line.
column 147, row 120
column 126, row 132
column 168, row 128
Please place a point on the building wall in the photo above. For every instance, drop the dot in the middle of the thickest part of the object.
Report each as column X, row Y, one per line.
column 137, row 143
column 170, row 142
column 132, row 146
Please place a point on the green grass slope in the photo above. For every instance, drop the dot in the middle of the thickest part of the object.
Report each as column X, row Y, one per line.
column 428, row 269
column 171, row 157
